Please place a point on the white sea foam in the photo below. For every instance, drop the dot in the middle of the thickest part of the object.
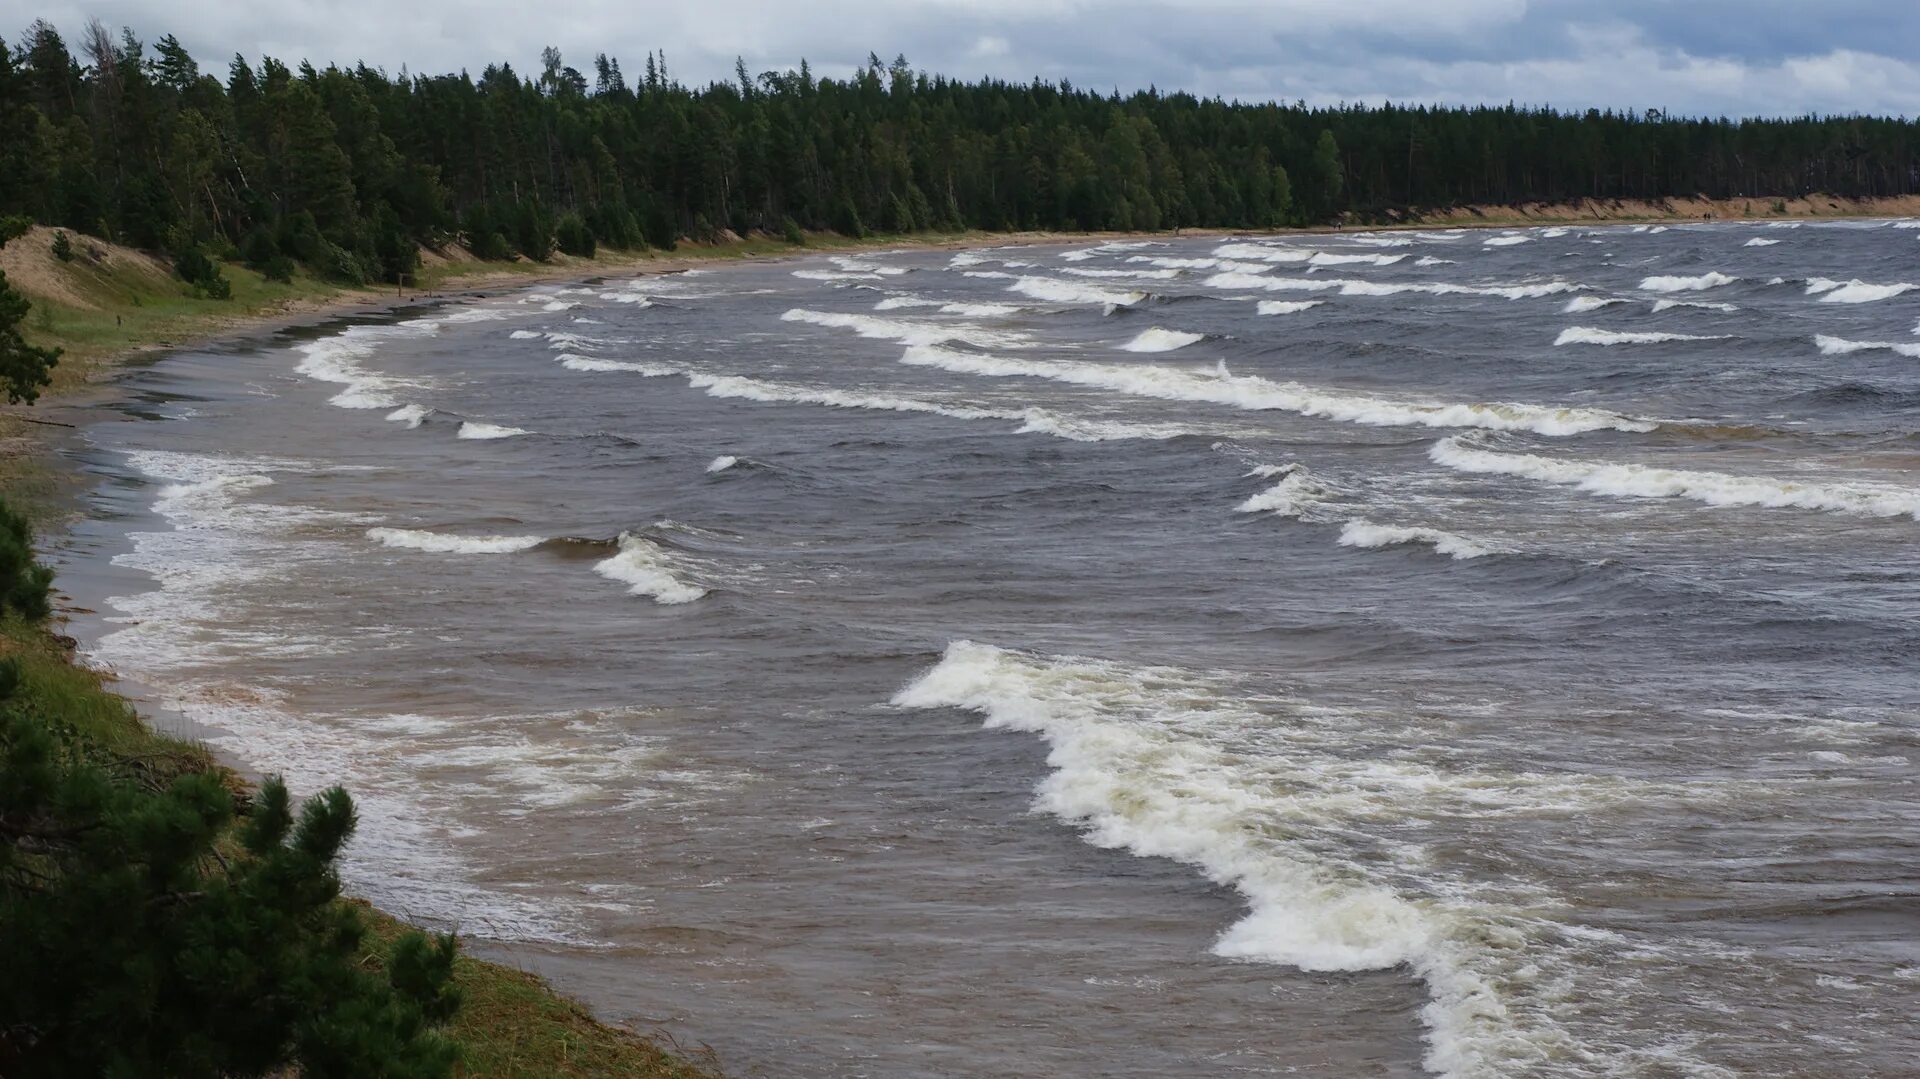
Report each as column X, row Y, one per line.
column 1031, row 420
column 895, row 303
column 480, row 430
column 647, row 570
column 1326, row 258
column 1354, row 287
column 1159, row 340
column 1254, row 393
column 1281, row 802
column 1054, row 290
column 440, row 543
column 1589, row 335
column 411, row 415
column 1429, row 260
column 1760, row 241
column 981, row 310
column 722, row 463
column 1840, row 346
column 912, row 332
column 1140, row 275
column 1855, row 291
column 1860, row 497
column 860, row 266
column 834, row 275
column 1553, row 233
column 1675, row 283
column 1702, row 305
column 1262, row 253
column 1580, row 305
column 339, row 359
column 1285, row 307
column 1505, row 241
column 594, row 363
column 1363, row 533
column 524, row 335
column 1298, row 494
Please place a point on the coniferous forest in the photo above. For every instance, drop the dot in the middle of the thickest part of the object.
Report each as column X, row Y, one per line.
column 349, row 169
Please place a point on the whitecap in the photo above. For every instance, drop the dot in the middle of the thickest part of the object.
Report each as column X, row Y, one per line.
column 1159, row 340
column 1840, row 346
column 1624, row 480
column 722, row 463
column 1360, row 532
column 1285, row 307
column 1580, row 305
column 647, row 570
column 480, row 430
column 1760, row 241
column 1855, row 291
column 1505, row 241
column 440, row 543
column 1255, row 393
column 1589, row 335
column 1054, row 290
column 1696, row 283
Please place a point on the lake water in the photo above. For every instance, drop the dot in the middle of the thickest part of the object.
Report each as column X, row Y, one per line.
column 1465, row 653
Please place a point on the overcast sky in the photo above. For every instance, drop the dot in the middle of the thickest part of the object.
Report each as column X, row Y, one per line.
column 1717, row 57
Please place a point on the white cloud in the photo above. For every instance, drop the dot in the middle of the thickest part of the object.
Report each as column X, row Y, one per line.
column 1736, row 57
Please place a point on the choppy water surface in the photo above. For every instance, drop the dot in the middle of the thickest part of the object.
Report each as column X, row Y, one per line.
column 1479, row 654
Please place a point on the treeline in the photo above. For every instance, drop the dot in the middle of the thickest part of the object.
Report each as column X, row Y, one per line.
column 350, row 169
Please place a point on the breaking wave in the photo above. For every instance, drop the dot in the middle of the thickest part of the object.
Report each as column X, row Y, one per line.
column 1698, row 283
column 1285, row 307
column 1265, row 795
column 1054, row 290
column 1589, row 335
column 419, row 540
column 1353, row 287
column 1159, row 340
column 1580, row 305
column 478, row 430
column 1364, row 533
column 647, row 570
column 1840, row 346
column 1254, row 393
column 907, row 332
column 1713, row 488
column 1854, row 291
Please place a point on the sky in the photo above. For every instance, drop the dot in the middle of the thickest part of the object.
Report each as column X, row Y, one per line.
column 1706, row 57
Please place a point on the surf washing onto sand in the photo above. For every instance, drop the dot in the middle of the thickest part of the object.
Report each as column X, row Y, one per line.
column 1415, row 642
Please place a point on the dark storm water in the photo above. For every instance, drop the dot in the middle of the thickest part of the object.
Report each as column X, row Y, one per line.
column 1496, row 668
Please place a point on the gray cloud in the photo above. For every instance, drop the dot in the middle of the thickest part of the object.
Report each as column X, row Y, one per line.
column 1717, row 57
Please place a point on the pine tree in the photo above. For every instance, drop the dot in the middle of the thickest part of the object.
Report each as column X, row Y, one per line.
column 23, row 367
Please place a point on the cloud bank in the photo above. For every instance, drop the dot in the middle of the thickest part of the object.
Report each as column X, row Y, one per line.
column 1754, row 58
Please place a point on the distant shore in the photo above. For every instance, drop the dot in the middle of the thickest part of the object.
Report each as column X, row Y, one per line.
column 94, row 351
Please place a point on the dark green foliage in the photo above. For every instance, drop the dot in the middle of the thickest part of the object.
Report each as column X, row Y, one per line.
column 151, row 927
column 261, row 252
column 846, row 220
column 572, row 236
column 198, row 269
column 24, row 583
column 532, row 231
column 350, row 167
column 62, row 247
column 23, row 368
column 790, row 232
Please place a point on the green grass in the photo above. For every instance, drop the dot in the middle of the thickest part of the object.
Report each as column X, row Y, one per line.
column 512, row 1025
column 135, row 309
